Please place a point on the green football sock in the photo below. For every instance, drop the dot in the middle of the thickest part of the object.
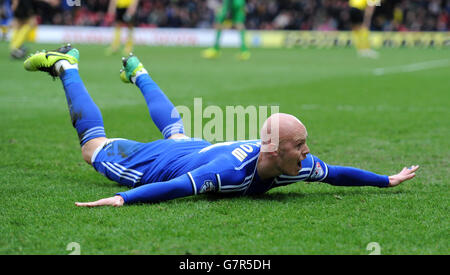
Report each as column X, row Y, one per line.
column 217, row 43
column 243, row 45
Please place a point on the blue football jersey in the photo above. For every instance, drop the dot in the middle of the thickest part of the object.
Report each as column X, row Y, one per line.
column 232, row 168
column 227, row 167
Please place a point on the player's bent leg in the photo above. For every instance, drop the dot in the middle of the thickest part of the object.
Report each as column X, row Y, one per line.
column 85, row 115
column 162, row 111
column 47, row 61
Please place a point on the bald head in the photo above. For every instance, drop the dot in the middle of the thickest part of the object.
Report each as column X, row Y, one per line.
column 280, row 128
column 283, row 146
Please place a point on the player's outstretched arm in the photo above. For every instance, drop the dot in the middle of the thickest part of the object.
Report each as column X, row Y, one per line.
column 157, row 191
column 200, row 180
column 404, row 175
column 112, row 201
column 350, row 176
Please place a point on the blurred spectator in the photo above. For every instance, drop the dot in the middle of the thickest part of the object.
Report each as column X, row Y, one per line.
column 392, row 15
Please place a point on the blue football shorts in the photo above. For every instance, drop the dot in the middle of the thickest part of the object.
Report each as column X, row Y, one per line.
column 133, row 163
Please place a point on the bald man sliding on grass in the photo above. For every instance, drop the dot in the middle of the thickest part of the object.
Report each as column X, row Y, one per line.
column 179, row 166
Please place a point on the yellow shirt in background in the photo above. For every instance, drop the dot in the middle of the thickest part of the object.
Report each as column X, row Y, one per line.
column 359, row 4
column 123, row 3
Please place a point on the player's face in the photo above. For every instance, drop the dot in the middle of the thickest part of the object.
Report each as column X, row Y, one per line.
column 291, row 154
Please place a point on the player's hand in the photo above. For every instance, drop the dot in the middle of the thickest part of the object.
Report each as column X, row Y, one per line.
column 405, row 174
column 112, row 201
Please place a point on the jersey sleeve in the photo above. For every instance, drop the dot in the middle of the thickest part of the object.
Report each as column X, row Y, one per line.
column 319, row 170
column 316, row 170
column 215, row 176
column 313, row 169
column 159, row 191
column 344, row 176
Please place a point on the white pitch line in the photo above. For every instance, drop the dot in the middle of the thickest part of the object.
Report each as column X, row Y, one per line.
column 412, row 67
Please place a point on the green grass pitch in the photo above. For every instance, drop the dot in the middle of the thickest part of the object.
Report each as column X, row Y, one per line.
column 354, row 118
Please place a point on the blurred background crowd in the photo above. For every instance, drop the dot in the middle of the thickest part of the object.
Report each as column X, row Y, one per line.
column 392, row 15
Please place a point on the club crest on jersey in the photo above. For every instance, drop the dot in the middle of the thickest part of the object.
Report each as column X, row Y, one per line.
column 318, row 171
column 208, row 186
